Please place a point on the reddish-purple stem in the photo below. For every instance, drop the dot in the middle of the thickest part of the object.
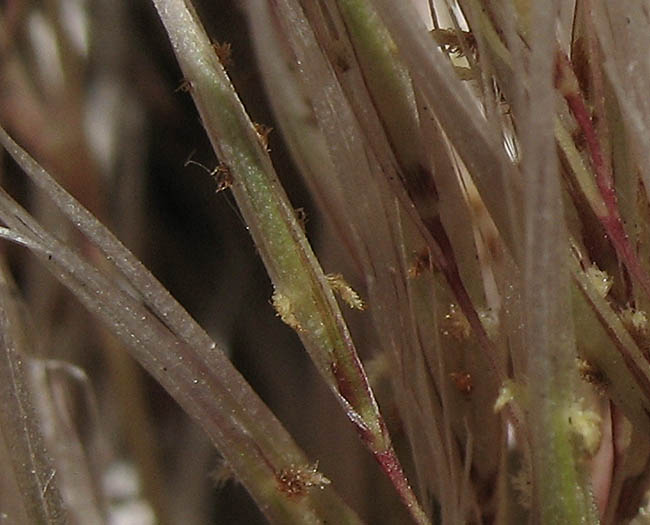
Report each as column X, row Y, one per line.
column 612, row 222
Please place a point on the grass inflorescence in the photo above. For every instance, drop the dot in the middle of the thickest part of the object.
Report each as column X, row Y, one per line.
column 457, row 335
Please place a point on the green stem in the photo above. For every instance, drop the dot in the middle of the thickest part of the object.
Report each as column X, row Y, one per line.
column 303, row 296
column 177, row 353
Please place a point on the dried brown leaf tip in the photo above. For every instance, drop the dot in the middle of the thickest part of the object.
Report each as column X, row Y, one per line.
column 345, row 291
column 296, row 480
column 263, row 132
column 223, row 50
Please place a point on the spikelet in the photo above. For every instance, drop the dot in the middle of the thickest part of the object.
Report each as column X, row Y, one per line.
column 345, row 291
column 284, row 310
column 296, row 480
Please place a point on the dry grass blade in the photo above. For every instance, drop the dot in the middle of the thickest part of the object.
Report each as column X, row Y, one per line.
column 364, row 166
column 303, row 297
column 459, row 116
column 33, row 468
column 199, row 377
